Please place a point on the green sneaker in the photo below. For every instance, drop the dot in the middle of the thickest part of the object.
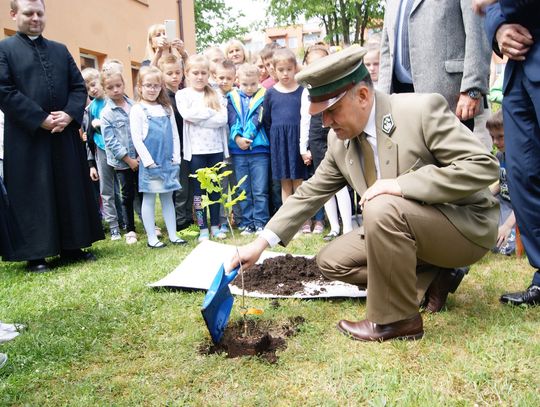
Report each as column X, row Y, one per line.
column 190, row 231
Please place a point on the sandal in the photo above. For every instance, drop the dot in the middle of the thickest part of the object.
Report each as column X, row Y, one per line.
column 178, row 241
column 157, row 245
column 331, row 236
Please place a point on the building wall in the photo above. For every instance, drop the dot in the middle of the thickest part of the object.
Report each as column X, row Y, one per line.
column 109, row 28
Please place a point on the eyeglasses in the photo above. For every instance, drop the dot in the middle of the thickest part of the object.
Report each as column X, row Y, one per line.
column 151, row 86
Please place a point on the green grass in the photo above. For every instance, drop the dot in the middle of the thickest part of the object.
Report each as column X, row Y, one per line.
column 98, row 336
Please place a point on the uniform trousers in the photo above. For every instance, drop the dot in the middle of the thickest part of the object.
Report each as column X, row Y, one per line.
column 392, row 255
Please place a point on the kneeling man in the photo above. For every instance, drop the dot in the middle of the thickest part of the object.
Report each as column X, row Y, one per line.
column 423, row 179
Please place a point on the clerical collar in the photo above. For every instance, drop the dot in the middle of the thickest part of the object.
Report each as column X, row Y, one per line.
column 33, row 37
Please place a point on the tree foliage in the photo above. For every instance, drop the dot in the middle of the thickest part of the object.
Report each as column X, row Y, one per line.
column 216, row 23
column 345, row 21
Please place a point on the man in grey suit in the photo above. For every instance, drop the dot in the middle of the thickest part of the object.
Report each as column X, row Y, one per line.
column 423, row 180
column 436, row 46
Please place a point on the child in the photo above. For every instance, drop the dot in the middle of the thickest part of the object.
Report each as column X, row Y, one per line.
column 314, row 135
column 95, row 138
column 249, row 148
column 215, row 55
column 205, row 142
column 506, row 238
column 281, row 113
column 225, row 75
column 235, row 51
column 173, row 75
column 371, row 62
column 121, row 154
column 267, row 55
column 155, row 138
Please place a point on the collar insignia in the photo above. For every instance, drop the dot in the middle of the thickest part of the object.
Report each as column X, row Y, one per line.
column 387, row 124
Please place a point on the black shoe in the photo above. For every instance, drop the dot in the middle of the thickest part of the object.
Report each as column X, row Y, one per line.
column 531, row 296
column 76, row 255
column 37, row 266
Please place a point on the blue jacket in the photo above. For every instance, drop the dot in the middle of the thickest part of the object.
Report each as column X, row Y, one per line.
column 245, row 120
column 524, row 12
column 117, row 134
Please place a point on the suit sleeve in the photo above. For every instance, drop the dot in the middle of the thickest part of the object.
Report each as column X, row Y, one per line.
column 463, row 165
column 494, row 19
column 384, row 83
column 477, row 51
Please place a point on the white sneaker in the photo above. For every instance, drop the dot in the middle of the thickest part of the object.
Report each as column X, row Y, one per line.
column 131, row 237
column 115, row 234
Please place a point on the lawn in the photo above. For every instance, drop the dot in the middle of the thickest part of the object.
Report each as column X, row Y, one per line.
column 98, row 336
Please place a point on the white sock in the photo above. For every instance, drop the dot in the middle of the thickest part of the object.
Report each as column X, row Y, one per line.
column 148, row 216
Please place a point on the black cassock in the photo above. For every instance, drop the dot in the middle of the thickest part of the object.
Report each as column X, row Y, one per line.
column 46, row 175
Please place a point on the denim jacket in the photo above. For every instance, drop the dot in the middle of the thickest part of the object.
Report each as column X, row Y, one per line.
column 117, row 134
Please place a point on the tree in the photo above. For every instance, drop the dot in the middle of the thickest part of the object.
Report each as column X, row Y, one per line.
column 215, row 23
column 341, row 18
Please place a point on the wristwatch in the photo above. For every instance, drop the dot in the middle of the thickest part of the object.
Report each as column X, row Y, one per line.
column 474, row 93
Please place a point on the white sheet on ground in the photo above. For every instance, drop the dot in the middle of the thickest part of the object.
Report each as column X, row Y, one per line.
column 199, row 268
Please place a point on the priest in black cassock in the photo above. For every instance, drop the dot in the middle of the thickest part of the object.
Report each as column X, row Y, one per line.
column 46, row 175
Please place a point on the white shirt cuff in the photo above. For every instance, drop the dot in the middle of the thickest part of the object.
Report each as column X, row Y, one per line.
column 270, row 237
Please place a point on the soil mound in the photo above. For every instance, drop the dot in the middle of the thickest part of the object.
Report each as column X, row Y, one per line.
column 255, row 338
column 281, row 275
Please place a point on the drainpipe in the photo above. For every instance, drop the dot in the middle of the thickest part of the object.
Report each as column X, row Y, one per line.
column 180, row 19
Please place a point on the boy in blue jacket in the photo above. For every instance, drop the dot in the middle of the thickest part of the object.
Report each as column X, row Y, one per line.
column 249, row 147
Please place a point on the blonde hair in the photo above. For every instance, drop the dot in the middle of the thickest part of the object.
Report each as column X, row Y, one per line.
column 90, row 74
column 211, row 98
column 247, row 70
column 152, row 31
column 110, row 70
column 495, row 121
column 163, row 98
column 236, row 43
column 284, row 54
column 170, row 59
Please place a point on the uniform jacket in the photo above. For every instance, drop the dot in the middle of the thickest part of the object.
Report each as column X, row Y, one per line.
column 448, row 48
column 525, row 13
column 247, row 124
column 435, row 159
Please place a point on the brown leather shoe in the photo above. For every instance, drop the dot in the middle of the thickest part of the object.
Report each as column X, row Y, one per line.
column 406, row 329
column 447, row 281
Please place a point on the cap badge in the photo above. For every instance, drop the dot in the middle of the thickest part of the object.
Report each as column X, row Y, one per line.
column 387, row 124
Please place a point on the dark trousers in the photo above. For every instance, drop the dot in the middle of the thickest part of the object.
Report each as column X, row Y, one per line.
column 521, row 113
column 128, row 180
column 183, row 198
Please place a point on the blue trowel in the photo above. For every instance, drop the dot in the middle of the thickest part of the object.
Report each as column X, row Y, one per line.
column 218, row 303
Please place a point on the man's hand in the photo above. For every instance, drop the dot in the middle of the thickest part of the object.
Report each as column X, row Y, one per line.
column 248, row 254
column 478, row 6
column 381, row 186
column 60, row 121
column 467, row 107
column 514, row 41
column 48, row 123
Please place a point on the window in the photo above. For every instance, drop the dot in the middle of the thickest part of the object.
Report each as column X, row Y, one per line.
column 293, row 42
column 88, row 61
column 281, row 42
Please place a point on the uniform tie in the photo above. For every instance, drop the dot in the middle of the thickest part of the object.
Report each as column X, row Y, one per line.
column 370, row 171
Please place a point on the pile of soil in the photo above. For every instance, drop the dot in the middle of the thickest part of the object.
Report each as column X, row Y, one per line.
column 282, row 275
column 263, row 339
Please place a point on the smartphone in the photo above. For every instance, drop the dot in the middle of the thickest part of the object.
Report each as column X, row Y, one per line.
column 170, row 29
